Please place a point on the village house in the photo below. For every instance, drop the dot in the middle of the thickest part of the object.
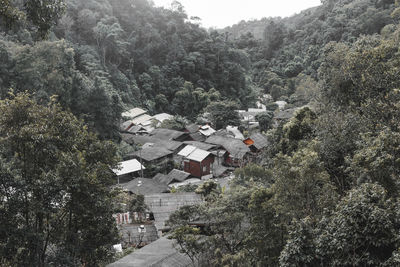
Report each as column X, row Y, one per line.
column 201, row 145
column 197, row 162
column 256, row 142
column 154, row 155
column 197, row 136
column 206, row 130
column 143, row 120
column 170, row 135
column 137, row 129
column 159, row 253
column 133, row 113
column 144, row 186
column 235, row 132
column 199, row 133
column 172, row 177
column 141, row 140
column 135, row 116
column 284, row 115
column 139, row 122
column 163, row 205
column 192, row 128
column 237, row 151
column 127, row 170
column 159, row 118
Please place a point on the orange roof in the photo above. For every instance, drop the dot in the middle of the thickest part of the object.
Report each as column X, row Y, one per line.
column 248, row 141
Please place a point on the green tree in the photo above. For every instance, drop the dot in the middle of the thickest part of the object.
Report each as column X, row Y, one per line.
column 187, row 239
column 223, row 113
column 300, row 246
column 265, row 120
column 300, row 129
column 253, row 174
column 41, row 13
column 302, row 185
column 209, row 189
column 108, row 36
column 175, row 123
column 161, row 103
column 55, row 187
column 377, row 160
column 363, row 230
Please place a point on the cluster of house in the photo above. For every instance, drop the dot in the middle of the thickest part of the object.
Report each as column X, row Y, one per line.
column 139, row 122
column 197, row 151
column 191, row 156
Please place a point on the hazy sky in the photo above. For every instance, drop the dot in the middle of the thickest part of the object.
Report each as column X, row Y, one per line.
column 222, row 13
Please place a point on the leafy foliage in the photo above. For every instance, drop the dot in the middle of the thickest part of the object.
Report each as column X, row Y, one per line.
column 365, row 224
column 223, row 113
column 55, row 178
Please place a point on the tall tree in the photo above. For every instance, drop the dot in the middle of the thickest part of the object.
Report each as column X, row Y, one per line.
column 55, row 200
column 362, row 231
column 43, row 14
column 223, row 113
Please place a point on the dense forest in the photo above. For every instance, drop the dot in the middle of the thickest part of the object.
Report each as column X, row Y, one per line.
column 327, row 191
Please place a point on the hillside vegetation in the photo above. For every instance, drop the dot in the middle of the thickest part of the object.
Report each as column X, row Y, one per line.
column 327, row 191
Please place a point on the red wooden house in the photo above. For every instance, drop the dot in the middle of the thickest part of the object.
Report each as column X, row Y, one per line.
column 197, row 162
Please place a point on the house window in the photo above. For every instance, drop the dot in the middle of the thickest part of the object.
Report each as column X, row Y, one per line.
column 204, row 168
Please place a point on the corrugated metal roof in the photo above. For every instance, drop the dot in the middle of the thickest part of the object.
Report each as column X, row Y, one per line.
column 198, row 137
column 128, row 166
column 141, row 119
column 178, row 175
column 235, row 147
column 255, row 110
column 162, row 117
column 192, row 128
column 133, row 113
column 200, row 145
column 206, row 130
column 167, row 134
column 134, row 129
column 194, row 153
column 186, row 150
column 152, row 153
column 143, row 139
column 162, row 205
column 162, row 178
column 198, row 155
column 235, row 131
column 145, row 186
column 260, row 140
column 158, row 253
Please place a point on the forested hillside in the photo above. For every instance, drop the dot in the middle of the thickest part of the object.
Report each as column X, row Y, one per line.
column 325, row 191
column 282, row 48
column 118, row 54
column 327, row 194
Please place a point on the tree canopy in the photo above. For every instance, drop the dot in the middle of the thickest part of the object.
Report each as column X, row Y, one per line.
column 55, row 177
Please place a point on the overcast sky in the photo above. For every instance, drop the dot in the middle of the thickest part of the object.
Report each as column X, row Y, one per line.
column 222, row 13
